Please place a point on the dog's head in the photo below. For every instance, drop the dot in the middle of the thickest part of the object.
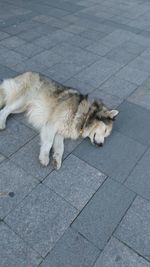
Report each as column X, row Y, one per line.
column 99, row 123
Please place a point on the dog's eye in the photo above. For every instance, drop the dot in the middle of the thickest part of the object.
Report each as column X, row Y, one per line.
column 105, row 130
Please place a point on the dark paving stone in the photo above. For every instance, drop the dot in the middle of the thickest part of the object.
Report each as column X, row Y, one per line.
column 3, row 35
column 72, row 250
column 31, row 65
column 28, row 49
column 132, row 47
column 76, row 181
column 133, row 75
column 118, row 255
column 98, row 72
column 62, row 71
column 118, row 87
column 120, row 55
column 47, row 58
column 134, row 230
column 133, row 122
column 12, row 42
column 99, row 218
column 14, row 251
column 83, row 87
column 141, row 96
column 14, row 136
column 41, row 219
column 139, row 179
column 74, row 55
column 140, row 63
column 6, row 72
column 11, row 58
column 27, row 158
column 116, row 158
column 110, row 100
column 13, row 179
column 93, row 35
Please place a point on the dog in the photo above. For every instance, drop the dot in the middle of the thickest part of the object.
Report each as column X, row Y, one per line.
column 56, row 111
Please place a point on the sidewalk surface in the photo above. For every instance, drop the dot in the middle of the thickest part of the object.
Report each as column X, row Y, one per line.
column 95, row 211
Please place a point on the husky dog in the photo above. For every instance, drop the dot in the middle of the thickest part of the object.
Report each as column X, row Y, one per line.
column 55, row 110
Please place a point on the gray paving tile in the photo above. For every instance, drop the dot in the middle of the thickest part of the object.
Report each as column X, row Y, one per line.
column 132, row 121
column 28, row 49
column 79, row 41
column 146, row 53
column 47, row 58
column 73, row 28
column 132, row 47
column 121, row 56
column 14, row 136
column 99, row 48
column 74, row 55
column 80, row 85
column 53, row 39
column 12, row 42
column 3, row 35
column 14, row 251
column 30, row 64
column 138, row 180
column 6, row 72
column 62, row 71
column 117, row 152
column 135, row 228
column 99, row 218
column 13, row 179
column 41, row 219
column 118, row 87
column 11, row 58
column 118, row 255
column 133, row 75
column 93, row 35
column 27, row 158
column 98, row 72
column 2, row 158
column 76, row 181
column 20, row 27
column 140, row 63
column 110, row 100
column 72, row 250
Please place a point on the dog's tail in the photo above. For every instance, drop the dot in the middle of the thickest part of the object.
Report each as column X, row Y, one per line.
column 2, row 96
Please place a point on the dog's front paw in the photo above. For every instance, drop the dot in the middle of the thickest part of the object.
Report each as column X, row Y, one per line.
column 44, row 160
column 2, row 124
column 56, row 162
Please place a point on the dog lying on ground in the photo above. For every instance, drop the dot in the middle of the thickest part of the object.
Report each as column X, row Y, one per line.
column 55, row 110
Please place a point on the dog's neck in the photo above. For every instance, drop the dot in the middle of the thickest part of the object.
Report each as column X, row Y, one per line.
column 82, row 116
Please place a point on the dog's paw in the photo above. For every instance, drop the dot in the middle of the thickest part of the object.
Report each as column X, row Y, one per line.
column 56, row 162
column 44, row 160
column 2, row 124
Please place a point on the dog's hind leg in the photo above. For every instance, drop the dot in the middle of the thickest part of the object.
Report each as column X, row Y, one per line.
column 58, row 148
column 15, row 107
column 47, row 135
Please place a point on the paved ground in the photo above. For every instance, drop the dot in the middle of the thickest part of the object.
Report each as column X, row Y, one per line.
column 95, row 211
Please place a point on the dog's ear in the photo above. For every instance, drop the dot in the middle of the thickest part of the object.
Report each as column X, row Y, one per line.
column 113, row 113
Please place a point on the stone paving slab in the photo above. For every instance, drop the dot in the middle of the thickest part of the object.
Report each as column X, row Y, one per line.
column 72, row 250
column 100, row 217
column 141, row 96
column 14, row 251
column 134, row 228
column 15, row 180
column 41, row 219
column 139, row 179
column 76, row 181
column 14, row 136
column 118, row 255
column 133, row 122
column 116, row 158
column 118, row 87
